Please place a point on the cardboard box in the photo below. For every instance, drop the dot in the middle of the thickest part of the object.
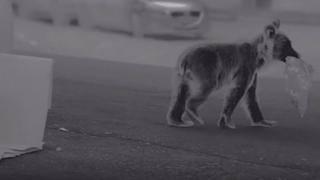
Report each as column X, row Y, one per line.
column 25, row 97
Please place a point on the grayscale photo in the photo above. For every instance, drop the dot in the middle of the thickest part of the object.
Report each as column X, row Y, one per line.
column 159, row 90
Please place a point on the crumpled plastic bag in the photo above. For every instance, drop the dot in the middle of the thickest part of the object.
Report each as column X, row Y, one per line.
column 298, row 75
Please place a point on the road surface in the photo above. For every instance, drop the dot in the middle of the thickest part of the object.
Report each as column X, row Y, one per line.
column 115, row 116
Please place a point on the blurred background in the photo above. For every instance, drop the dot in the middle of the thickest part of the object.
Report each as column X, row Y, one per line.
column 107, row 119
column 156, row 31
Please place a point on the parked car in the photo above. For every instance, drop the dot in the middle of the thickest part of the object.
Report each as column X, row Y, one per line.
column 139, row 17
column 59, row 12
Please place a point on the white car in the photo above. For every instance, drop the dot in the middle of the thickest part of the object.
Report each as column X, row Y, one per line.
column 180, row 17
column 139, row 17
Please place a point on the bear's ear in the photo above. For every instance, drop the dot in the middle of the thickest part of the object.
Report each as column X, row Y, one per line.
column 276, row 23
column 270, row 32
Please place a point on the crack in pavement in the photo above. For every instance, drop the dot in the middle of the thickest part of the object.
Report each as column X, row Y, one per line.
column 216, row 155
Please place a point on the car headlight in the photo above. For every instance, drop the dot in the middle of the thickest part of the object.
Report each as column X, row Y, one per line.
column 187, row 19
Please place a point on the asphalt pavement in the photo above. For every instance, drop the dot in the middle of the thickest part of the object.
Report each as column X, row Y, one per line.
column 114, row 116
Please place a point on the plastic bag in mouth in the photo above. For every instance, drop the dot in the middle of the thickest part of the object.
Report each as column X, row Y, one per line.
column 298, row 83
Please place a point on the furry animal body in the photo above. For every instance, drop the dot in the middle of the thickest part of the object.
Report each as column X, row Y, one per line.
column 209, row 67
